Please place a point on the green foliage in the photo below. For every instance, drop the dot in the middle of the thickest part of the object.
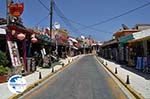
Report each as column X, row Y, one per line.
column 4, row 70
column 3, row 59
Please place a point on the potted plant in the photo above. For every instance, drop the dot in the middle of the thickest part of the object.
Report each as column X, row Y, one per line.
column 3, row 59
column 4, row 71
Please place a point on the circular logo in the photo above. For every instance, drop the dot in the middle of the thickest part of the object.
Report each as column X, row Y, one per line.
column 17, row 84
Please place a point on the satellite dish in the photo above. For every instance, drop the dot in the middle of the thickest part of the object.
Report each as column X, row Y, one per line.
column 57, row 25
column 82, row 37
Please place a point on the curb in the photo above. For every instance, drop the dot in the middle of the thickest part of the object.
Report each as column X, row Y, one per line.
column 36, row 83
column 130, row 89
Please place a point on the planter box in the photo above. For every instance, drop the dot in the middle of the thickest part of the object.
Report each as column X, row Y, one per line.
column 3, row 78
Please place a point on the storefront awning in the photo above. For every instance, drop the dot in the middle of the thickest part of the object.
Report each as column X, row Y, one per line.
column 111, row 42
column 94, row 44
column 70, row 42
column 73, row 40
column 141, row 34
column 125, row 39
column 137, row 36
column 44, row 38
column 138, row 40
column 75, row 48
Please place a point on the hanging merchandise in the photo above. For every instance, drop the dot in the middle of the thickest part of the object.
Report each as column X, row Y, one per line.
column 16, row 9
column 139, row 63
column 21, row 36
column 34, row 40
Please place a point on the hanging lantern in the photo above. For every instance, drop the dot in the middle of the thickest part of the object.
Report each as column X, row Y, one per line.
column 34, row 40
column 21, row 36
column 16, row 9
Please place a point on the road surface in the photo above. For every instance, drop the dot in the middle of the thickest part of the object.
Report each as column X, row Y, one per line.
column 84, row 79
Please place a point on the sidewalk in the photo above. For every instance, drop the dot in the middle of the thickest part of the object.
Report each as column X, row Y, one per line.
column 139, row 81
column 34, row 77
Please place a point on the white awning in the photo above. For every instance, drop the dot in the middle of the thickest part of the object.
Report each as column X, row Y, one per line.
column 93, row 44
column 75, row 47
column 82, row 37
column 73, row 40
column 141, row 34
column 2, row 31
column 70, row 42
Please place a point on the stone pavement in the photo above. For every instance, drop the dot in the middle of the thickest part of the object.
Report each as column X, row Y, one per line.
column 139, row 81
column 32, row 78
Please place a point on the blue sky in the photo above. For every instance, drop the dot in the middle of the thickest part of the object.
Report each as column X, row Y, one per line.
column 86, row 12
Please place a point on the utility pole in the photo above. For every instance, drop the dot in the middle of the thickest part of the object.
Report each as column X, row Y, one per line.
column 51, row 29
column 51, row 17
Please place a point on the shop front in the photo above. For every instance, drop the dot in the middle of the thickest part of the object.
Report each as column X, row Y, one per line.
column 109, row 50
column 141, row 49
column 124, row 48
column 22, row 40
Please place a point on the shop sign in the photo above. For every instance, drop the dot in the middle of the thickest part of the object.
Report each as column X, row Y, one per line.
column 125, row 39
column 14, row 53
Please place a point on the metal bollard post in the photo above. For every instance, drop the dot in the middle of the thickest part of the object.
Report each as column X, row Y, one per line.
column 116, row 70
column 128, row 80
column 69, row 61
column 52, row 69
column 62, row 64
column 40, row 75
column 102, row 61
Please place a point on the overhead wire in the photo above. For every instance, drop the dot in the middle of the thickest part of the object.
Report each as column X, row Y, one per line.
column 65, row 20
column 118, row 16
column 43, row 5
column 91, row 28
column 73, row 29
column 71, row 21
column 44, row 18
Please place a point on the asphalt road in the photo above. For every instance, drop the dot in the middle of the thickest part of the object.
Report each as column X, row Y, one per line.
column 84, row 79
